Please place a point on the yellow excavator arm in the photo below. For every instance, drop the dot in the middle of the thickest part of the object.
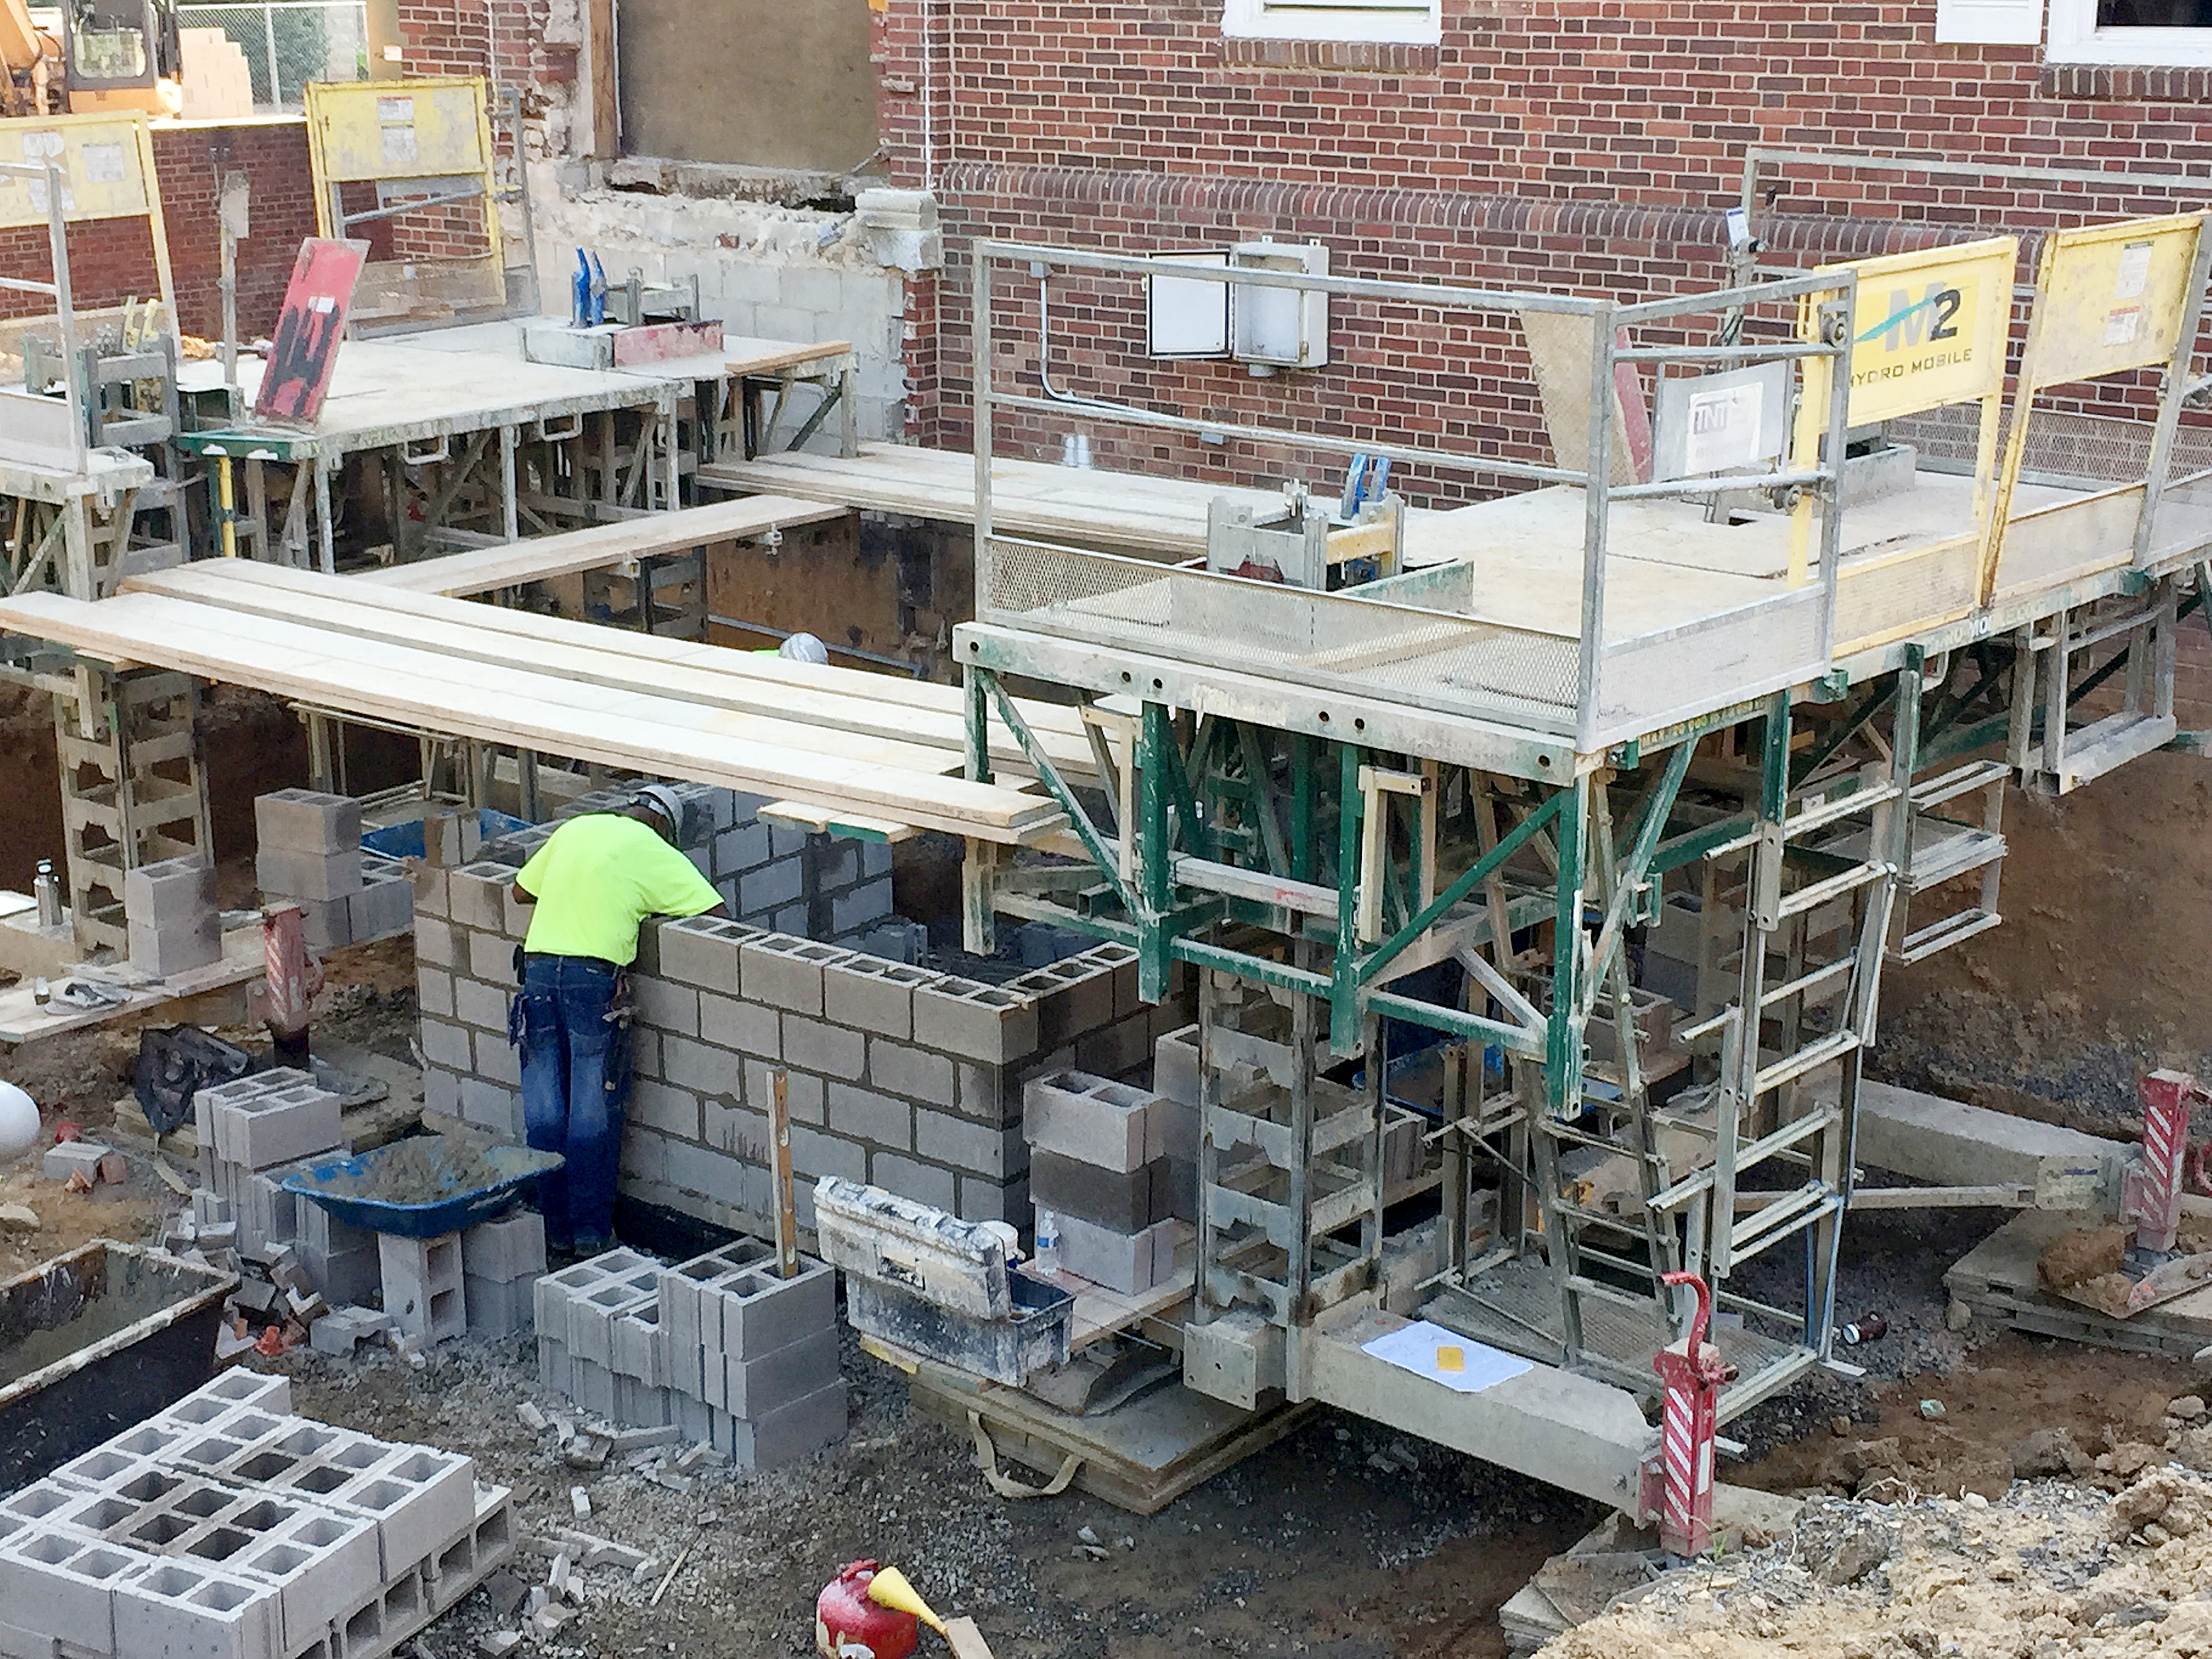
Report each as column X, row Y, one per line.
column 33, row 60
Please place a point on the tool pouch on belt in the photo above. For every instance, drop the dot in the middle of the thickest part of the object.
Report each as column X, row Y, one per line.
column 620, row 1012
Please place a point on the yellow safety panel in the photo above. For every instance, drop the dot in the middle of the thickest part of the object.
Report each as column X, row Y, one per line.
column 105, row 161
column 1929, row 328
column 432, row 128
column 2113, row 297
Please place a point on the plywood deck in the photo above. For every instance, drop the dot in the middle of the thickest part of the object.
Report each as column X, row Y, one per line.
column 1127, row 510
column 384, row 392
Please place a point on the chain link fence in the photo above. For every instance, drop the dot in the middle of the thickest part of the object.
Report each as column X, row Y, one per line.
column 285, row 43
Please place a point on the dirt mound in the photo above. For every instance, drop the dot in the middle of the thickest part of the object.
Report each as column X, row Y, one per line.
column 2050, row 1567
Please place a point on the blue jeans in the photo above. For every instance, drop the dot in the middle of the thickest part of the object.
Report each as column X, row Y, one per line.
column 575, row 1084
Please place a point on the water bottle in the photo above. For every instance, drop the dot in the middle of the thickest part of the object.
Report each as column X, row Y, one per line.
column 1045, row 1258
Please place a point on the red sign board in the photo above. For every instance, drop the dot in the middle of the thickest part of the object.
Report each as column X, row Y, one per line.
column 305, row 354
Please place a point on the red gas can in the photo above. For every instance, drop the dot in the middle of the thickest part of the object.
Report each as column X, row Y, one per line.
column 848, row 1625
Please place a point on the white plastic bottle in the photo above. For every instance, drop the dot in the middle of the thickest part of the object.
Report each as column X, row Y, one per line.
column 1046, row 1257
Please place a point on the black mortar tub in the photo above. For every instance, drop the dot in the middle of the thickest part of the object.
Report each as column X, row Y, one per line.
column 94, row 1342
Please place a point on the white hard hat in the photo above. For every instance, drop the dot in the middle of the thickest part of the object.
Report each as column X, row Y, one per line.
column 804, row 647
column 660, row 799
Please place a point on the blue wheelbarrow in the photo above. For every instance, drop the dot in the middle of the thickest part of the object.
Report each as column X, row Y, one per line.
column 424, row 1186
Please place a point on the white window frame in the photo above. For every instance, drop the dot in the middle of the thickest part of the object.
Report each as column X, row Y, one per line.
column 2075, row 39
column 1414, row 23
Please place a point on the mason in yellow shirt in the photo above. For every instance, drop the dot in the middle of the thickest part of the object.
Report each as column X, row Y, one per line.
column 595, row 881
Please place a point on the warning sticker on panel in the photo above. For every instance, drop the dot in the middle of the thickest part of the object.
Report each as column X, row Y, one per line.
column 2122, row 324
column 103, row 164
column 2133, row 271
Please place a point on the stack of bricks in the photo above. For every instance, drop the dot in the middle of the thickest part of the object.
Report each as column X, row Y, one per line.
column 173, row 922
column 721, row 1347
column 251, row 1131
column 308, row 852
column 225, row 1528
column 502, row 1262
column 1117, row 1168
column 906, row 1080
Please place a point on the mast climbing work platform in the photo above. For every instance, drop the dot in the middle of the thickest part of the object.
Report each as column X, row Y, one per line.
column 1739, row 679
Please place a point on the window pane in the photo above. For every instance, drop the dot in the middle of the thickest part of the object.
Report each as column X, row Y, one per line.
column 2153, row 14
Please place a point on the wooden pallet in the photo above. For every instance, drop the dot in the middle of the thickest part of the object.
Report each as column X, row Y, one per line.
column 1140, row 1456
column 1997, row 1279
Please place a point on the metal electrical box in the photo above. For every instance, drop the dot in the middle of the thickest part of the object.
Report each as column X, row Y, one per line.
column 1203, row 316
column 1281, row 326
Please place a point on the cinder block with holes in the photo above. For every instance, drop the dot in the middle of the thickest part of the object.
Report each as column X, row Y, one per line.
column 753, row 1313
column 685, row 1319
column 757, row 1388
column 496, row 1307
column 978, row 1022
column 298, row 873
column 181, row 1610
column 422, row 1285
column 307, row 820
column 168, row 892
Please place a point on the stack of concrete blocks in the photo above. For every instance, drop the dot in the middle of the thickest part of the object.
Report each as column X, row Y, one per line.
column 341, row 1258
column 252, row 1131
column 225, row 1528
column 173, row 921
column 308, row 852
column 502, row 1262
column 1117, row 1168
column 905, row 1079
column 722, row 1346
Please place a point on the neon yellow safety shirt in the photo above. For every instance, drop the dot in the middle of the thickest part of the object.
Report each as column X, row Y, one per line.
column 597, row 877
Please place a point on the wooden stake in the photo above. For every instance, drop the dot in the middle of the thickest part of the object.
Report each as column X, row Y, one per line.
column 787, row 1203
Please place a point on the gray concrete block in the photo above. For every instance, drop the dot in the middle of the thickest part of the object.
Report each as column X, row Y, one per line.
column 800, row 1429
column 510, row 1248
column 482, row 1005
column 703, row 951
column 810, row 287
column 752, row 1313
column 307, row 821
column 748, row 1028
column 786, row 973
column 434, row 989
column 178, row 948
column 437, row 942
column 777, row 883
column 70, row 1157
column 861, row 907
column 1125, row 1261
column 644, row 1155
column 736, row 1129
column 978, row 1022
column 423, row 1289
column 983, row 1198
column 872, row 995
column 383, row 907
column 700, row 1067
column 755, row 1388
column 492, row 1106
column 168, row 892
column 673, row 1008
column 815, row 1153
column 491, row 959
column 988, row 1092
column 1090, row 1119
column 477, row 894
column 880, row 1119
column 498, row 1060
column 909, row 1177
column 290, row 873
column 714, row 1175
column 831, row 1050
column 804, row 1091
column 664, row 1107
column 325, row 924
column 1073, row 997
column 999, row 1152
column 1118, row 1049
column 1123, row 1203
column 742, row 847
column 918, row 1074
column 445, row 1043
column 496, row 1309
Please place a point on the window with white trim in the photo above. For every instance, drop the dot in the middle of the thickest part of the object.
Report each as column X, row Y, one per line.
column 1416, row 22
column 2152, row 32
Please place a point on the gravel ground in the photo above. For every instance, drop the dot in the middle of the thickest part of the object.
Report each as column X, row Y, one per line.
column 1343, row 1540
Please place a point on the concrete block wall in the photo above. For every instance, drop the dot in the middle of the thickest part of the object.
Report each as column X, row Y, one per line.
column 226, row 1528
column 902, row 1077
column 764, row 270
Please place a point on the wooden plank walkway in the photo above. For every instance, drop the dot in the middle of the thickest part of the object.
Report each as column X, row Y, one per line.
column 599, row 546
column 467, row 670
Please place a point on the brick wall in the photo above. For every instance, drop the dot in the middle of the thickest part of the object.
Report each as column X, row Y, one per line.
column 113, row 260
